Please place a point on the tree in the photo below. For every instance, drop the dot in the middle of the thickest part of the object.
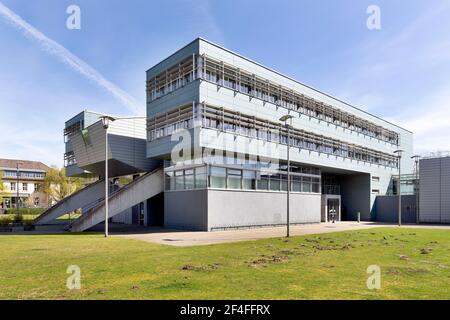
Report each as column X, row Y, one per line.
column 58, row 186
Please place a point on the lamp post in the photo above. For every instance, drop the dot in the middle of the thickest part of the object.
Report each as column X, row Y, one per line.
column 285, row 119
column 399, row 157
column 106, row 120
column 416, row 185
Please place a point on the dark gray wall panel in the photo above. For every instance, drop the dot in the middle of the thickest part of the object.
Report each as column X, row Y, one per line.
column 445, row 190
column 386, row 209
column 430, row 190
column 355, row 195
column 186, row 210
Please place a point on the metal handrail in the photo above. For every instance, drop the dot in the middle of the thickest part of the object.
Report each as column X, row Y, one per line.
column 112, row 195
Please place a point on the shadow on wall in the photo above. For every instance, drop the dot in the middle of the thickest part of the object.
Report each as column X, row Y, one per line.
column 386, row 209
column 355, row 195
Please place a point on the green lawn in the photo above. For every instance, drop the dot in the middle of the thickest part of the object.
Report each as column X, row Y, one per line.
column 329, row 266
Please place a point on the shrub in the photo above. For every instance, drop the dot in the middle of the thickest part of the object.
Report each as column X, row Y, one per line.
column 25, row 211
column 4, row 221
column 18, row 217
column 28, row 225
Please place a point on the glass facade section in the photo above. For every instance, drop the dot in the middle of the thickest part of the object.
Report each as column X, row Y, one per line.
column 255, row 177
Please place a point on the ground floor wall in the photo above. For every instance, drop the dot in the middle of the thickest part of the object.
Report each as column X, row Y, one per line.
column 231, row 209
column 223, row 209
column 187, row 210
column 386, row 209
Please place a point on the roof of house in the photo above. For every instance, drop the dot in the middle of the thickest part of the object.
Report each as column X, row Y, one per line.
column 23, row 164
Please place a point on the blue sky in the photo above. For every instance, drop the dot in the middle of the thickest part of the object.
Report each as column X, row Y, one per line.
column 401, row 72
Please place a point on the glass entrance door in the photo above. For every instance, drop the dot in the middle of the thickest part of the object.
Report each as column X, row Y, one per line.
column 333, row 209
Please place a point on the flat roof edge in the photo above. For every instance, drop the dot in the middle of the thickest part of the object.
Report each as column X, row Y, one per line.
column 299, row 82
column 171, row 55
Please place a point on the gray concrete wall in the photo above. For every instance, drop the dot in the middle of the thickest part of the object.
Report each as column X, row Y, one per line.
column 434, row 196
column 124, row 217
column 228, row 209
column 186, row 209
column 386, row 209
column 355, row 193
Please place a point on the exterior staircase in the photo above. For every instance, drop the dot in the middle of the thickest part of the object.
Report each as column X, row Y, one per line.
column 141, row 189
column 77, row 200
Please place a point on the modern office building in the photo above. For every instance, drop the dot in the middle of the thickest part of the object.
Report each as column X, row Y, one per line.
column 23, row 184
column 212, row 150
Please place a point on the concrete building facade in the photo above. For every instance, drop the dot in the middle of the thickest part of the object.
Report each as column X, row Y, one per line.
column 213, row 129
column 231, row 108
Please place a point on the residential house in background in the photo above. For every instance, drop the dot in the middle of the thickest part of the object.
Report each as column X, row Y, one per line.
column 23, row 182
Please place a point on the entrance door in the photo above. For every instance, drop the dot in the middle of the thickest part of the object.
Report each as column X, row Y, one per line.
column 333, row 209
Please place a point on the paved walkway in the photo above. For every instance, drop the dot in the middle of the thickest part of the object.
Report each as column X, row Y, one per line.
column 192, row 238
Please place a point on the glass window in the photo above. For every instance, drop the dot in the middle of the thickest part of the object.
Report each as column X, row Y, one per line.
column 13, row 186
column 170, row 181
column 249, row 180
column 275, row 183
column 234, row 179
column 262, row 182
column 284, row 182
column 200, row 177
column 218, row 177
column 296, row 185
column 316, row 187
column 306, row 184
column 25, row 186
column 179, row 180
column 189, row 179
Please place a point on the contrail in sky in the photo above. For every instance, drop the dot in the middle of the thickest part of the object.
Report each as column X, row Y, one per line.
column 54, row 48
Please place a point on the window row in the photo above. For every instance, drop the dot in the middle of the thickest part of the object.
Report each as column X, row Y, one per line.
column 23, row 174
column 225, row 120
column 237, row 123
column 170, row 80
column 247, row 83
column 217, row 72
column 13, row 187
column 237, row 179
column 167, row 130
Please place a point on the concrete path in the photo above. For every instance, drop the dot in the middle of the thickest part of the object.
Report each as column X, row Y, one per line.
column 188, row 238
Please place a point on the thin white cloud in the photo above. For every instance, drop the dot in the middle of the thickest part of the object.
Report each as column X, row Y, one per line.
column 430, row 121
column 208, row 21
column 54, row 48
column 420, row 49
